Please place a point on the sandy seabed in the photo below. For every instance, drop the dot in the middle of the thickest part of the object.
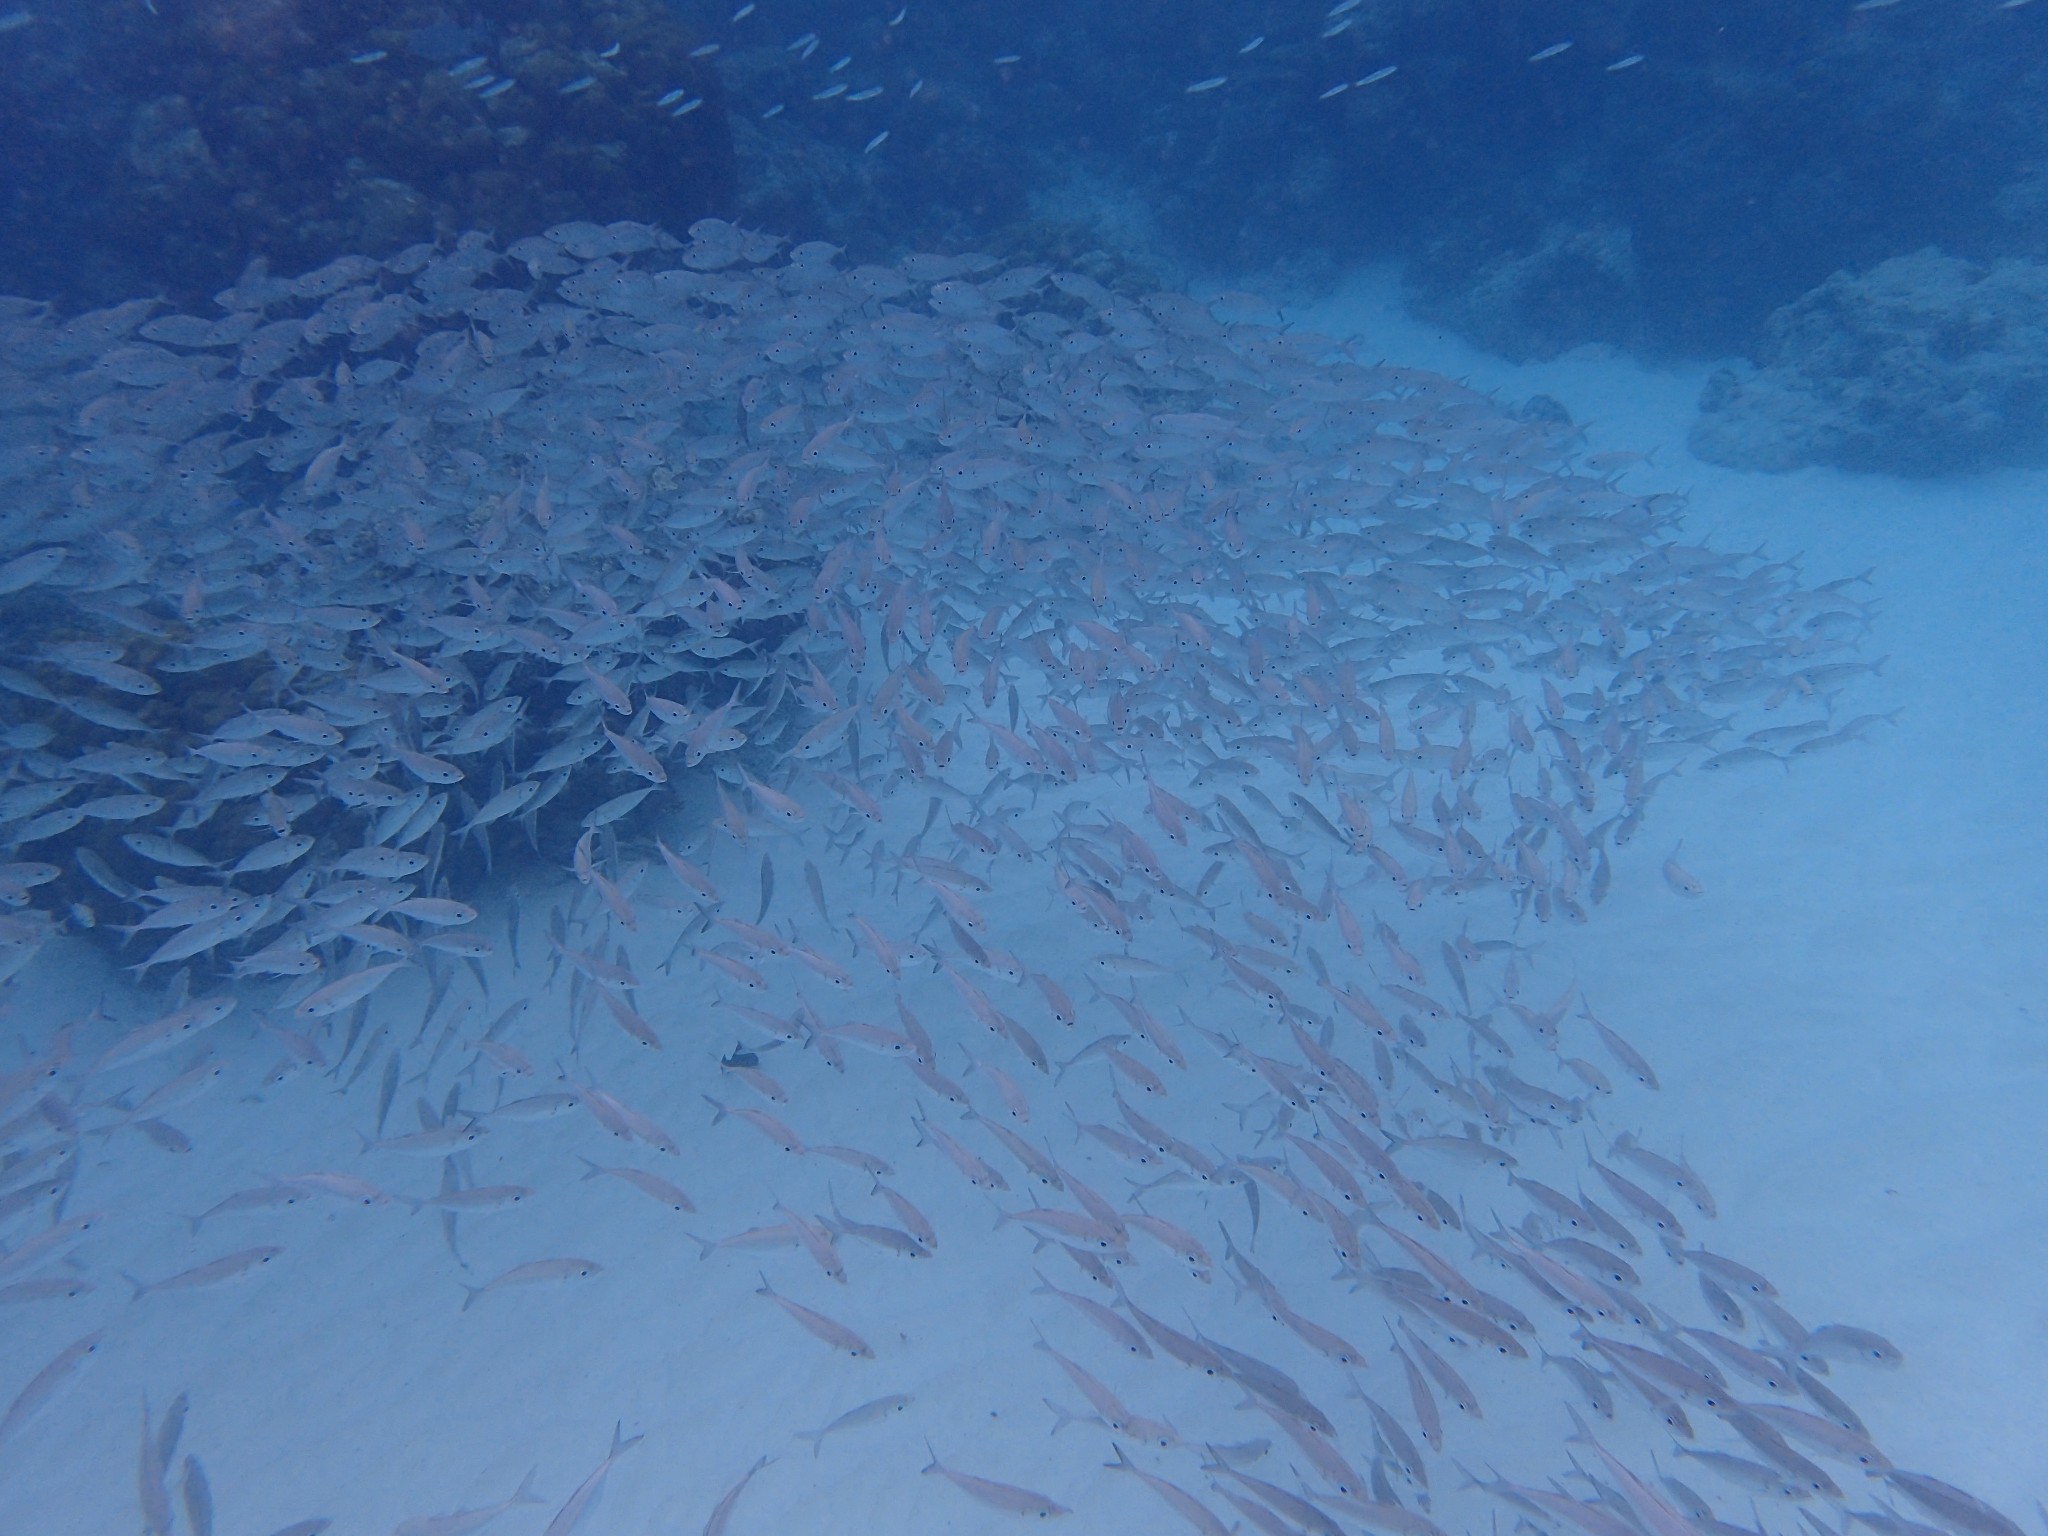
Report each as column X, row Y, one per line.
column 1850, row 1021
column 1847, row 1023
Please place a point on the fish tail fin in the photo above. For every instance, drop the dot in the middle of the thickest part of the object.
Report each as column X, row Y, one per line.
column 525, row 1493
column 140, row 1288
column 1122, row 1461
column 474, row 1292
column 816, row 1437
column 704, row 1246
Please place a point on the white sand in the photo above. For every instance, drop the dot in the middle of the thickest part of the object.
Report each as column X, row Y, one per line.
column 1850, row 1023
column 1845, row 1024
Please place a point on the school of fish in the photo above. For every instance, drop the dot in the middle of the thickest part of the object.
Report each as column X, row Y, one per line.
column 1009, row 774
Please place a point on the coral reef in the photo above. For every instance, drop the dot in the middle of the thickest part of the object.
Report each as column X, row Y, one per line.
column 1926, row 364
column 222, row 128
column 1571, row 285
column 1623, row 171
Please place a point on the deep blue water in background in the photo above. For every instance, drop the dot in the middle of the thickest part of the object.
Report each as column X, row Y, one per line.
column 1672, row 206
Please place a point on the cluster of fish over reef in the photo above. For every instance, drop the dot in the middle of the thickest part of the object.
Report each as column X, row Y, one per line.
column 1123, row 671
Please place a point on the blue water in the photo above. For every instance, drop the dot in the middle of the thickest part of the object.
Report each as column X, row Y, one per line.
column 778, row 768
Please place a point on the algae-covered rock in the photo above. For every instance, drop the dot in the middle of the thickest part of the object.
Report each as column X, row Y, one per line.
column 1568, row 285
column 1923, row 365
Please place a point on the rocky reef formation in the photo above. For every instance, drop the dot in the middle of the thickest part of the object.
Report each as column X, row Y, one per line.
column 1568, row 286
column 158, row 148
column 1620, row 171
column 1926, row 364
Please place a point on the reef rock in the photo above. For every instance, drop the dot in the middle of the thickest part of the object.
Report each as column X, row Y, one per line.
column 222, row 128
column 1567, row 286
column 1924, row 365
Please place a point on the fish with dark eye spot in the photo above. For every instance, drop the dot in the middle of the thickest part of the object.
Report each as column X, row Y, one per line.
column 1007, row 1497
column 1839, row 1341
column 871, row 1412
